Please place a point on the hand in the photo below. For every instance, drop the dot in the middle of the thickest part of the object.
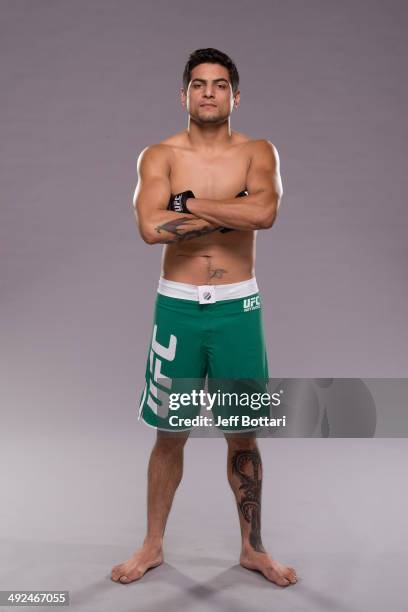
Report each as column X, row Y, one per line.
column 178, row 202
column 241, row 194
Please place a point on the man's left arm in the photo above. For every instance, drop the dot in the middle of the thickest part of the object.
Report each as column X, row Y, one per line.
column 258, row 210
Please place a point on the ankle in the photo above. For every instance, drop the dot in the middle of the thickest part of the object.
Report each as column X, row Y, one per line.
column 153, row 541
column 246, row 547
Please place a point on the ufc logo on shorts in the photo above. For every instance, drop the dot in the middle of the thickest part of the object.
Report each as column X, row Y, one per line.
column 158, row 353
column 252, row 303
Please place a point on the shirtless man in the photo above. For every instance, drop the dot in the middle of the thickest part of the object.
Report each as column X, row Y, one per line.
column 201, row 325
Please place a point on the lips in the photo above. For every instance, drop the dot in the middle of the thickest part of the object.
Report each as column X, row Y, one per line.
column 210, row 105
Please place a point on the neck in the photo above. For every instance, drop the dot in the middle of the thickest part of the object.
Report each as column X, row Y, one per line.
column 209, row 135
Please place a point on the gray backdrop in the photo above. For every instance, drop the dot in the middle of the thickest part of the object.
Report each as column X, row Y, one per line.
column 85, row 85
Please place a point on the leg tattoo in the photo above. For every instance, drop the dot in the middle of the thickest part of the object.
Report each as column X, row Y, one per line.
column 247, row 465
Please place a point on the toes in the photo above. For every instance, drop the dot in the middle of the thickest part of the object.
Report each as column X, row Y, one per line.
column 115, row 574
column 273, row 576
column 130, row 577
column 277, row 573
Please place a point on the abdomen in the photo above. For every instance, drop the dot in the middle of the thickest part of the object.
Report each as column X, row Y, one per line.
column 213, row 259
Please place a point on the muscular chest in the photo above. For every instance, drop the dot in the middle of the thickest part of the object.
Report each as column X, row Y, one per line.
column 215, row 177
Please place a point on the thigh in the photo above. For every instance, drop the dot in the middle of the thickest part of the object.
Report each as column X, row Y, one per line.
column 239, row 367
column 176, row 363
column 238, row 348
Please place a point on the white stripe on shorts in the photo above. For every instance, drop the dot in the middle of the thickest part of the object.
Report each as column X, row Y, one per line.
column 228, row 291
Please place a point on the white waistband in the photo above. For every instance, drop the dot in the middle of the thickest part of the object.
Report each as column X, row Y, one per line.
column 229, row 291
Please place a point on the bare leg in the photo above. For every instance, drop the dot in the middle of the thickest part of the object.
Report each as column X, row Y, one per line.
column 245, row 477
column 164, row 475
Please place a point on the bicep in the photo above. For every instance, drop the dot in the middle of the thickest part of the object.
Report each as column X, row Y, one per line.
column 153, row 189
column 264, row 171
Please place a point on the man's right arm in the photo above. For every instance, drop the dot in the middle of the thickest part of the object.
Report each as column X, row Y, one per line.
column 156, row 223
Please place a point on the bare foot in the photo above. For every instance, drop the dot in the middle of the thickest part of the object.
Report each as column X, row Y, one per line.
column 134, row 568
column 274, row 571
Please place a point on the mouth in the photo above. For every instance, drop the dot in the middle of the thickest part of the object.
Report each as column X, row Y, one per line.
column 209, row 105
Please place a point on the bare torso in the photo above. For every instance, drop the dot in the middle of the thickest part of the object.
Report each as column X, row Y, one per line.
column 215, row 258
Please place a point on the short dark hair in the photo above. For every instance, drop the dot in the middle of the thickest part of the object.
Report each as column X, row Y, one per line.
column 210, row 56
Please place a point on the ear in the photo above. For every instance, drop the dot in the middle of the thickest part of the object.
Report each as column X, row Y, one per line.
column 237, row 99
column 183, row 97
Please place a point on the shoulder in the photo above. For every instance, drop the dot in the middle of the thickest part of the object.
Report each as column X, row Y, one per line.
column 175, row 140
column 165, row 146
column 164, row 150
column 264, row 146
column 154, row 154
column 265, row 152
column 257, row 146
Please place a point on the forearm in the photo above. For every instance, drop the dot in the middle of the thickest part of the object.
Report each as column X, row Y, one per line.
column 167, row 226
column 252, row 214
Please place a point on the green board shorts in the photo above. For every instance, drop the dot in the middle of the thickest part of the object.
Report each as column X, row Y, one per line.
column 199, row 332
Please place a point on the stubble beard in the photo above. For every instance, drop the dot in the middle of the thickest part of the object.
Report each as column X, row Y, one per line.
column 209, row 120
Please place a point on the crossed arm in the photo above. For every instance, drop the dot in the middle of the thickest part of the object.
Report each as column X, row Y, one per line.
column 258, row 210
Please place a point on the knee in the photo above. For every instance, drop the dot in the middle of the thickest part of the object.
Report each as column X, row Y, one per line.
column 242, row 443
column 170, row 443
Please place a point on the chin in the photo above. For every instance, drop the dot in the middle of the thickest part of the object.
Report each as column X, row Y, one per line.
column 211, row 118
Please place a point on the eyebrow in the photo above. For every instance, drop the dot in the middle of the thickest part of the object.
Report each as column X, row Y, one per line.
column 214, row 81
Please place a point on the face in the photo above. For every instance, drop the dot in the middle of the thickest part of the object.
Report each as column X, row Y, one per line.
column 209, row 98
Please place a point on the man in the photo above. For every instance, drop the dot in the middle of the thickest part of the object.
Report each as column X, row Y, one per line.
column 227, row 186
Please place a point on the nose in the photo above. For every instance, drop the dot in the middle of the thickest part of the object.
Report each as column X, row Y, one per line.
column 209, row 93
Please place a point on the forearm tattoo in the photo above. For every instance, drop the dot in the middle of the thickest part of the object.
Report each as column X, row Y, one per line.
column 247, row 465
column 177, row 228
